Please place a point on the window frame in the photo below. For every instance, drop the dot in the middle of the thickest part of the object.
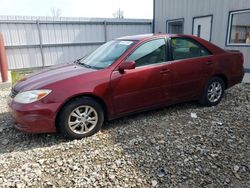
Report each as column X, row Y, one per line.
column 175, row 20
column 190, row 39
column 167, row 55
column 229, row 28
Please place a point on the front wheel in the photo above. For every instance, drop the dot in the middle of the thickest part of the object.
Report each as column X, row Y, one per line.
column 213, row 92
column 81, row 117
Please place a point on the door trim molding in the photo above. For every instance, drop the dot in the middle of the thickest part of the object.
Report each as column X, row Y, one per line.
column 211, row 29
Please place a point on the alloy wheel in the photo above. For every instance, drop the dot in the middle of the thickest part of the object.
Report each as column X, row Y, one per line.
column 214, row 92
column 83, row 119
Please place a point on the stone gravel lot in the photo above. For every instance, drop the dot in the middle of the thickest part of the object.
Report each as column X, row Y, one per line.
column 169, row 147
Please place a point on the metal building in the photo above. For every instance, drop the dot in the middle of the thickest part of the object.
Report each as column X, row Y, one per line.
column 223, row 22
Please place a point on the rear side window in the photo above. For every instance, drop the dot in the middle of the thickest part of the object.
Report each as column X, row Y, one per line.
column 151, row 52
column 183, row 48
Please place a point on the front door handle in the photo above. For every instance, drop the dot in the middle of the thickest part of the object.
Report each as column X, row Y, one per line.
column 209, row 62
column 164, row 71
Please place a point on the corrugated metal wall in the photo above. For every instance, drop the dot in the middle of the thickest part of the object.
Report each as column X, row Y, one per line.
column 44, row 41
column 188, row 9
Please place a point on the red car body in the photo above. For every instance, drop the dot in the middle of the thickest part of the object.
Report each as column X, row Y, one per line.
column 124, row 93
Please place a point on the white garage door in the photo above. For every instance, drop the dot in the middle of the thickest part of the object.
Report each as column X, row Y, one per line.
column 202, row 27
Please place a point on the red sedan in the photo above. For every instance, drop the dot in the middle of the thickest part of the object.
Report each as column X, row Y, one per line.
column 123, row 76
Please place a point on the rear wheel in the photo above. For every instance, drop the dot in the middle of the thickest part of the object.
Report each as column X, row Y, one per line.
column 81, row 117
column 213, row 92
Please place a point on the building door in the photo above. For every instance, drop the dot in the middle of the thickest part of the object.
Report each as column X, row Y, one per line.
column 202, row 27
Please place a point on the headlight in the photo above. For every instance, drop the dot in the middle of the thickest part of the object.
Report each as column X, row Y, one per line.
column 31, row 96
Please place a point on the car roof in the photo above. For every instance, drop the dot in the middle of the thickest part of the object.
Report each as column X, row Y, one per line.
column 213, row 48
column 151, row 35
column 136, row 37
column 141, row 37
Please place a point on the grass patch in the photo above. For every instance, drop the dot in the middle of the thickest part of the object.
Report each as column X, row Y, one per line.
column 18, row 75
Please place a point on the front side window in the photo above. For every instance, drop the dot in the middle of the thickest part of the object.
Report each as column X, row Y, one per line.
column 239, row 28
column 149, row 53
column 183, row 48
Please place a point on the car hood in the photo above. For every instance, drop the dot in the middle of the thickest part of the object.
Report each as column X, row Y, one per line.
column 51, row 75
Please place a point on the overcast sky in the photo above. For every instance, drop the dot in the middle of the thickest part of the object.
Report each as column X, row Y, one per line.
column 78, row 8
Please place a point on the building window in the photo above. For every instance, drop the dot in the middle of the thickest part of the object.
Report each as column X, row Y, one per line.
column 239, row 28
column 175, row 26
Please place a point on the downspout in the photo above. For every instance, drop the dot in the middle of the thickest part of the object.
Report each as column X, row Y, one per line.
column 3, row 61
column 153, row 27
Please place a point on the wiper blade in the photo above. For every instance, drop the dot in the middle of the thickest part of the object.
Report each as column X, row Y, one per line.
column 78, row 61
column 87, row 66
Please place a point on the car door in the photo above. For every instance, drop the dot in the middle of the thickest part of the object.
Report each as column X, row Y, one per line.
column 191, row 66
column 141, row 87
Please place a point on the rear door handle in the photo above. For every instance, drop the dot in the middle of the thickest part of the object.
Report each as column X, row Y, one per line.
column 164, row 71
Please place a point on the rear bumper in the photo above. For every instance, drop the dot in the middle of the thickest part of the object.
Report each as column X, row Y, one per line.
column 33, row 118
column 236, row 79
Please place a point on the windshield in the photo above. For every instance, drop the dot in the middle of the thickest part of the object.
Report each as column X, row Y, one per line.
column 106, row 54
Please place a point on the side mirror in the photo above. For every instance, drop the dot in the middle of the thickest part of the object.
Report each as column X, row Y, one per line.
column 127, row 65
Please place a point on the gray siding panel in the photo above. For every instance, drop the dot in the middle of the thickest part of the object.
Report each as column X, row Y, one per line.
column 115, row 31
column 63, row 39
column 57, row 55
column 70, row 33
column 187, row 9
column 18, row 34
column 23, row 58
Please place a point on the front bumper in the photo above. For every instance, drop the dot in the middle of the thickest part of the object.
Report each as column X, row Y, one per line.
column 36, row 117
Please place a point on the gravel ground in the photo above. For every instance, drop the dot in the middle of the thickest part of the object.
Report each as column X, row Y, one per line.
column 184, row 145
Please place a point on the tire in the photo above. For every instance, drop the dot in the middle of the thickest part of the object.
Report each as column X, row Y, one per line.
column 79, row 118
column 213, row 92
